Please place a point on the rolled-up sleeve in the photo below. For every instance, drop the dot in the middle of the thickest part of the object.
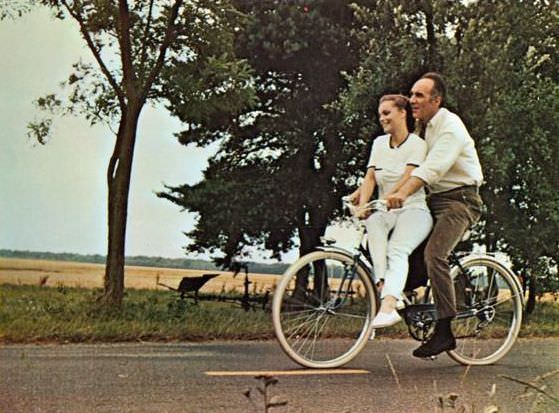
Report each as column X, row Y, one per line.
column 440, row 158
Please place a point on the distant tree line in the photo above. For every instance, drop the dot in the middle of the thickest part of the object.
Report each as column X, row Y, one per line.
column 141, row 261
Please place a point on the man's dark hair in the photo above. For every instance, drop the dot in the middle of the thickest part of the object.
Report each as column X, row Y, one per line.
column 439, row 85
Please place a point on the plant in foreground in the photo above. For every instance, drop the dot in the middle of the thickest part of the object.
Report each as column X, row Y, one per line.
column 268, row 401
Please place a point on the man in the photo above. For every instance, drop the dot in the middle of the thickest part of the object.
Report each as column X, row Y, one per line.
column 452, row 173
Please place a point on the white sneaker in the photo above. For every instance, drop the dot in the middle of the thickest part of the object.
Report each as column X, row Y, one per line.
column 386, row 319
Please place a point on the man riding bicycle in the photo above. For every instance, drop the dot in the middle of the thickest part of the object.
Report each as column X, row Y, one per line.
column 452, row 173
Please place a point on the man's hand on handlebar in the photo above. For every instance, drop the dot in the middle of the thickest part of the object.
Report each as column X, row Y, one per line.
column 395, row 200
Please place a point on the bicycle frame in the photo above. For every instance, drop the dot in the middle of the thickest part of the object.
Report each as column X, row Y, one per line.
column 301, row 315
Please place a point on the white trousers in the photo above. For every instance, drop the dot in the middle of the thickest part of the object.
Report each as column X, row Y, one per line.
column 390, row 254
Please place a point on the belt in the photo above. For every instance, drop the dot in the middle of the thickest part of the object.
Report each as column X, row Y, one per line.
column 460, row 188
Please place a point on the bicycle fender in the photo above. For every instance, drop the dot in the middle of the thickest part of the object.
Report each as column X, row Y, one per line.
column 339, row 250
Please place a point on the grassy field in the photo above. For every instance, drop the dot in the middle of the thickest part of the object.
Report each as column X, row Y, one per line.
column 83, row 275
column 66, row 314
column 65, row 310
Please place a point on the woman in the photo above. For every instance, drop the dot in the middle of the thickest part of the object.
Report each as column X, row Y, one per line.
column 393, row 234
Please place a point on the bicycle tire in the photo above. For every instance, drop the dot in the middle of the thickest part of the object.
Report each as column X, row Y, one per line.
column 324, row 323
column 487, row 336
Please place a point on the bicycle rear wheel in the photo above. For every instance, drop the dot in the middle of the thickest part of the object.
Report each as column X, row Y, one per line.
column 322, row 309
column 488, row 324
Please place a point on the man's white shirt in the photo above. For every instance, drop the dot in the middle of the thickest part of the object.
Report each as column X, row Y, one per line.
column 452, row 159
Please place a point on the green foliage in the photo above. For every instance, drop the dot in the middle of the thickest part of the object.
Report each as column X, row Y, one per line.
column 187, row 64
column 178, row 54
column 503, row 74
column 501, row 66
column 12, row 9
column 282, row 165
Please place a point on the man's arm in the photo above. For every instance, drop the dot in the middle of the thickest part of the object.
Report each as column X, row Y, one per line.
column 412, row 185
column 407, row 173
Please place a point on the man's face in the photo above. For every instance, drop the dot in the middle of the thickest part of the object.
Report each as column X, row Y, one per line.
column 423, row 104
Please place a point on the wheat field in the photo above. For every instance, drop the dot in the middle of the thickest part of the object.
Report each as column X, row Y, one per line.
column 77, row 274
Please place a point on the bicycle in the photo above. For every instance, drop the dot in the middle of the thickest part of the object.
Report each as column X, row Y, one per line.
column 324, row 304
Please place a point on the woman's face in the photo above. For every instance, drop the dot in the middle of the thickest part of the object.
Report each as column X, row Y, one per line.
column 391, row 117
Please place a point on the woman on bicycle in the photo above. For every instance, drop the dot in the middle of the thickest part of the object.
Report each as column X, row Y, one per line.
column 394, row 234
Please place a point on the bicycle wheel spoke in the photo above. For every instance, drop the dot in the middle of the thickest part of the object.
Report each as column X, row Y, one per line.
column 487, row 333
column 360, row 317
column 301, row 326
column 323, row 325
column 316, row 332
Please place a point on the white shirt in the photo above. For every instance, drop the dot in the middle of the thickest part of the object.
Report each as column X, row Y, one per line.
column 390, row 164
column 452, row 159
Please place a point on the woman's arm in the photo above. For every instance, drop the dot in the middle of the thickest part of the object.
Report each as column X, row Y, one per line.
column 366, row 191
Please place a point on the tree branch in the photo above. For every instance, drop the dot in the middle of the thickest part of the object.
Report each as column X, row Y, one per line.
column 169, row 33
column 129, row 77
column 143, row 53
column 96, row 53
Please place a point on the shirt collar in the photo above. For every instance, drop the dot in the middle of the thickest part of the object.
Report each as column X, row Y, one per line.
column 437, row 119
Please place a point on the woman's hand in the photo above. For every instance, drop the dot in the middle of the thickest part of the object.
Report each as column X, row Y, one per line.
column 362, row 212
column 354, row 196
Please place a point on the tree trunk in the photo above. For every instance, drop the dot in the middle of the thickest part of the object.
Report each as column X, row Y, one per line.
column 309, row 237
column 532, row 289
column 118, row 182
column 432, row 61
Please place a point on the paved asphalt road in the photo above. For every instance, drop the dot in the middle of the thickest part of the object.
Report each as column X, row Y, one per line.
column 179, row 378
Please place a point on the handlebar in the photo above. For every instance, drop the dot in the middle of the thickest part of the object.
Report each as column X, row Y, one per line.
column 375, row 205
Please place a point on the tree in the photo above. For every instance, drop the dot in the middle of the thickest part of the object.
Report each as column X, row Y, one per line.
column 500, row 61
column 506, row 69
column 178, row 52
column 283, row 165
column 501, row 65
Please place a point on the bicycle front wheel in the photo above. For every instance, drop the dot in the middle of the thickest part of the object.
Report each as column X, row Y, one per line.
column 322, row 309
column 488, row 323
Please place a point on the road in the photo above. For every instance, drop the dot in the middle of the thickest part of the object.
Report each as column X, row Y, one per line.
column 211, row 377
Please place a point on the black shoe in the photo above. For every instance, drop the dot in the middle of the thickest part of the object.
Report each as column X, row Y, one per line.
column 436, row 345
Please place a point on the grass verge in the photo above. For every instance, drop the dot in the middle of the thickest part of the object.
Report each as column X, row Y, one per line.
column 44, row 314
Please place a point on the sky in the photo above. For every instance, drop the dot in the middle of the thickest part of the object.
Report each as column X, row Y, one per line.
column 53, row 197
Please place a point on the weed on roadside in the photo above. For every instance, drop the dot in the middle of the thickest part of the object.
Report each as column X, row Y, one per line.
column 545, row 398
column 260, row 397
